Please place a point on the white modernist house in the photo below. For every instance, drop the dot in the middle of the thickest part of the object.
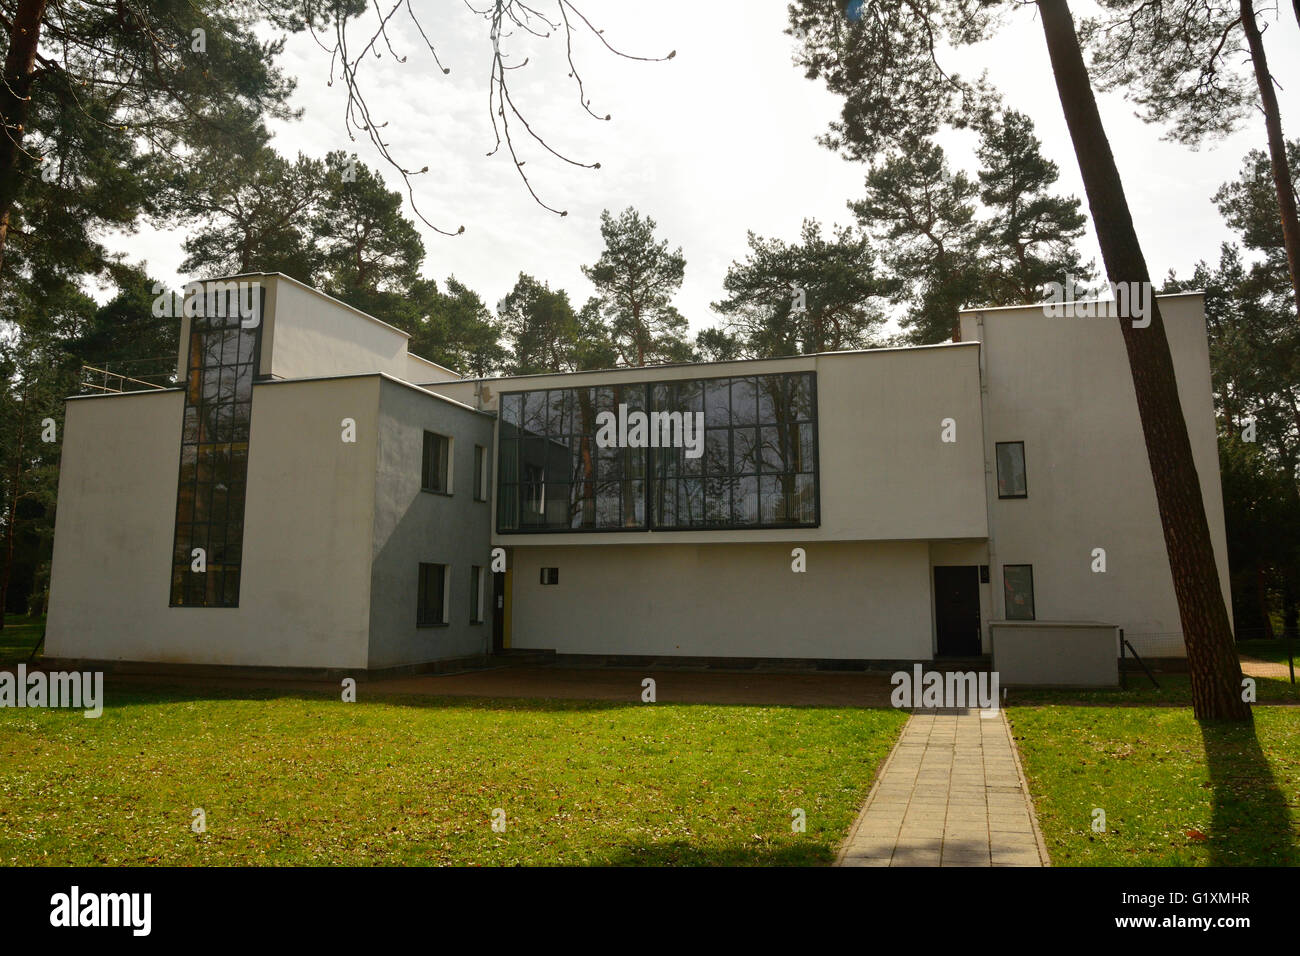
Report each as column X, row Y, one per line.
column 313, row 495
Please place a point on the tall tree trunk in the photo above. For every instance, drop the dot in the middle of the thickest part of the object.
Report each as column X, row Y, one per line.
column 24, row 38
column 1211, row 655
column 1276, row 145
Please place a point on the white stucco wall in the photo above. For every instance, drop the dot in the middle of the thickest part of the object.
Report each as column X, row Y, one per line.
column 310, row 334
column 421, row 371
column 1063, row 386
column 856, row 601
column 885, row 473
column 305, row 583
column 413, row 526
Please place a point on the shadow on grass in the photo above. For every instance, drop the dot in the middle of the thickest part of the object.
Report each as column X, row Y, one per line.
column 1252, row 822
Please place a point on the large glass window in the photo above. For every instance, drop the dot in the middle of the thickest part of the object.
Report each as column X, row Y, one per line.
column 697, row 453
column 222, row 364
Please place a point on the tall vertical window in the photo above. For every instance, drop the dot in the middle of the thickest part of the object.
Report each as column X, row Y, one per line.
column 1018, row 583
column 222, row 363
column 752, row 462
column 1011, row 470
column 432, row 607
column 480, row 473
column 437, row 456
column 475, row 594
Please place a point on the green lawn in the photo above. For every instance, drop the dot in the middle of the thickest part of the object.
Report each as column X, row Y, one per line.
column 1174, row 689
column 310, row 780
column 18, row 637
column 1175, row 792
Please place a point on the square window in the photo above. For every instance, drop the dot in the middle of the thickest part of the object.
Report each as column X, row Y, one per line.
column 1018, row 583
column 1011, row 470
column 550, row 576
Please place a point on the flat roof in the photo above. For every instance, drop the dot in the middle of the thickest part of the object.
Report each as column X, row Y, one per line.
column 736, row 361
column 291, row 381
column 1065, row 302
column 314, row 291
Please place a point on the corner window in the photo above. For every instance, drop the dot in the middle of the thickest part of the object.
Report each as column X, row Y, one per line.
column 213, row 470
column 1018, row 585
column 480, row 473
column 437, row 455
column 432, row 611
column 550, row 575
column 1011, row 470
column 475, row 594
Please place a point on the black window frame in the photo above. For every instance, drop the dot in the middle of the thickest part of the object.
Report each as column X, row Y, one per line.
column 1033, row 600
column 422, row 606
column 555, row 577
column 216, row 427
column 648, row 472
column 444, row 458
column 1024, row 470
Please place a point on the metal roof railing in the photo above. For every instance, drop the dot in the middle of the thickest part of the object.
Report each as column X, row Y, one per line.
column 112, row 381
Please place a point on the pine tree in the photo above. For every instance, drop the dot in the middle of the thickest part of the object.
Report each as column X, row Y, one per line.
column 816, row 295
column 1028, row 236
column 923, row 213
column 636, row 278
column 540, row 326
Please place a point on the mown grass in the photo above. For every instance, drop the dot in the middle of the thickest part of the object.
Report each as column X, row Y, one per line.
column 307, row 779
column 1175, row 791
column 18, row 637
column 1173, row 689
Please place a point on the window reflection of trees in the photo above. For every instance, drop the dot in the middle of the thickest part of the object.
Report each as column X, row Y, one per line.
column 214, row 460
column 758, row 467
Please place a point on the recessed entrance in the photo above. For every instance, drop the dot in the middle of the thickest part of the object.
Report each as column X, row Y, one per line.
column 957, row 610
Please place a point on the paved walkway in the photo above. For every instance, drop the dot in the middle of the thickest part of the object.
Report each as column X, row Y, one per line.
column 950, row 794
column 1254, row 667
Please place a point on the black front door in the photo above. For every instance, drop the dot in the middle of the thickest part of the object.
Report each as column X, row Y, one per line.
column 957, row 610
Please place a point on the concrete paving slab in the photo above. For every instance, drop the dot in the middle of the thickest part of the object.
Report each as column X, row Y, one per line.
column 954, row 778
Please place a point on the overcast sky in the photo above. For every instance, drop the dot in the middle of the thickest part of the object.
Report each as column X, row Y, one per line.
column 719, row 140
